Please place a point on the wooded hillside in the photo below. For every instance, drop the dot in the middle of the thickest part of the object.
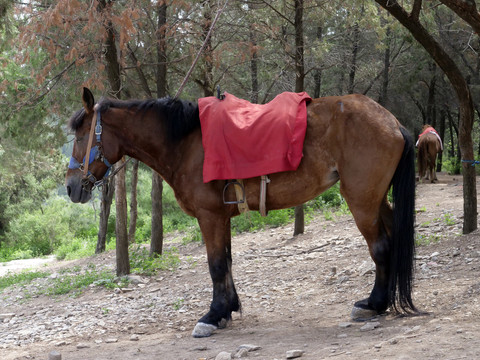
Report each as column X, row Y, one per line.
column 418, row 59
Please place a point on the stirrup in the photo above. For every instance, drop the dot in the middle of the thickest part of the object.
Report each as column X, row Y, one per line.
column 235, row 202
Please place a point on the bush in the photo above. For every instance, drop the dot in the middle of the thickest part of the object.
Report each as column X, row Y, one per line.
column 43, row 231
column 452, row 166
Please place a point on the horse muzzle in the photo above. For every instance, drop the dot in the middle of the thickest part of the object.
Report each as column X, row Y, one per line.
column 76, row 190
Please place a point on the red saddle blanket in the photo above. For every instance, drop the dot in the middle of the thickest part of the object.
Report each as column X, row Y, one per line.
column 243, row 140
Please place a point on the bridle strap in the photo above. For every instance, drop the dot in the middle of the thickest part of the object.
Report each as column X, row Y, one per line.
column 89, row 145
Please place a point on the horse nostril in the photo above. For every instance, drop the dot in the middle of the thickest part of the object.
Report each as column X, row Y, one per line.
column 69, row 190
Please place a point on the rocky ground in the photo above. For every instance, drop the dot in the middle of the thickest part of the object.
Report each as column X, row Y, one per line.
column 297, row 294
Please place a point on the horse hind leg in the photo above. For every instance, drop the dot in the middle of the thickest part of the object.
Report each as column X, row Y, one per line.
column 433, row 173
column 378, row 237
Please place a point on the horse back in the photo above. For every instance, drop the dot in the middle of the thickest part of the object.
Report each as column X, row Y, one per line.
column 352, row 126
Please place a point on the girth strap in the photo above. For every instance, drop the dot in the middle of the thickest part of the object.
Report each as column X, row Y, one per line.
column 241, row 201
column 264, row 180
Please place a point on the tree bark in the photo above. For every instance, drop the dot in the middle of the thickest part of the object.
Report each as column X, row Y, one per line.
column 132, row 226
column 254, row 66
column 317, row 77
column 382, row 99
column 112, row 67
column 464, row 98
column 105, row 204
column 353, row 64
column 156, row 241
column 441, row 132
column 467, row 10
column 431, row 104
column 208, row 52
column 123, row 263
column 299, row 227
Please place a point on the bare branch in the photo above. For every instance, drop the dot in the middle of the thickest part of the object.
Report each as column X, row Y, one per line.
column 417, row 6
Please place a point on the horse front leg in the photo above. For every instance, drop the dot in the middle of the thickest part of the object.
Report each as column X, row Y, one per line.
column 217, row 235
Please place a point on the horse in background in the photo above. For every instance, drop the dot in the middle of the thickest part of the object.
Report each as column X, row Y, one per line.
column 429, row 145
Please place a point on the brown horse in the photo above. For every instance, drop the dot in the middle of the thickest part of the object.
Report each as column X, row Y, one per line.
column 348, row 138
column 429, row 145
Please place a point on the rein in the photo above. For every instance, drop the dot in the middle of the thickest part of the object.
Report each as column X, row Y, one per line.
column 93, row 154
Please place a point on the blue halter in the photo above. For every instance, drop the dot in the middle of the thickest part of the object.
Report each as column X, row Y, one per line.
column 95, row 154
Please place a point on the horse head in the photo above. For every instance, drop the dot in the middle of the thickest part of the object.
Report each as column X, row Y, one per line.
column 91, row 136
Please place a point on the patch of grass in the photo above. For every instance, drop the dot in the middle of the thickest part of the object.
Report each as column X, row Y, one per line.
column 22, row 278
column 177, row 305
column 73, row 282
column 142, row 263
column 328, row 215
column 427, row 239
column 448, row 219
column 192, row 235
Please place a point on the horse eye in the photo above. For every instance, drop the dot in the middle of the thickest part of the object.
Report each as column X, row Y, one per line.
column 79, row 139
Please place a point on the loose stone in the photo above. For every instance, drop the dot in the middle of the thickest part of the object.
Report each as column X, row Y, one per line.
column 292, row 354
column 54, row 355
column 224, row 356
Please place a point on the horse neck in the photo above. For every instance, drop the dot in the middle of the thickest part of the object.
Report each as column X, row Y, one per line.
column 143, row 138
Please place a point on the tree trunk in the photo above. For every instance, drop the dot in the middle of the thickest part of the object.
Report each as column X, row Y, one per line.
column 441, row 132
column 254, row 67
column 208, row 51
column 382, row 98
column 431, row 105
column 123, row 263
column 453, row 129
column 411, row 22
column 112, row 67
column 299, row 227
column 317, row 77
column 353, row 64
column 105, row 204
column 156, row 241
column 132, row 226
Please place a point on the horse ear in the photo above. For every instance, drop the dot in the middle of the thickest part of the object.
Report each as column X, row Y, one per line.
column 88, row 100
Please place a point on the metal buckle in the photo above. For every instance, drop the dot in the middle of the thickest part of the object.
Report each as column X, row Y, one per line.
column 98, row 129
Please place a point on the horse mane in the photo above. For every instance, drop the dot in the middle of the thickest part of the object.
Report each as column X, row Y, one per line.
column 76, row 120
column 181, row 117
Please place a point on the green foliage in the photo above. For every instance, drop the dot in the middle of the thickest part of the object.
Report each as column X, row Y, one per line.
column 142, row 263
column 21, row 278
column 177, row 304
column 253, row 221
column 58, row 226
column 448, row 219
column 452, row 166
column 73, row 282
column 67, row 283
column 79, row 247
column 426, row 239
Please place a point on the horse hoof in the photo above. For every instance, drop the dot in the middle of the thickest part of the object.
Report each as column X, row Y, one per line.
column 203, row 330
column 362, row 314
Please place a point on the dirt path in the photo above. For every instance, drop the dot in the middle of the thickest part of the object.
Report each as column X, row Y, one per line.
column 296, row 294
column 19, row 265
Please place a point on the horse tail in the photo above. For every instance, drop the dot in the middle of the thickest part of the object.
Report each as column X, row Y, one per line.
column 403, row 237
